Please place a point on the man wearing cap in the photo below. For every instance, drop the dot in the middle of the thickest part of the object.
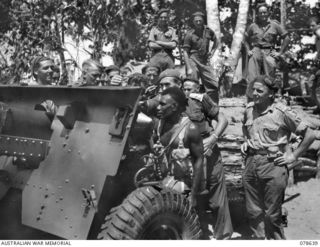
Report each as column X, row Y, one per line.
column 196, row 53
column 162, row 41
column 261, row 37
column 152, row 71
column 167, row 78
column 201, row 110
column 267, row 127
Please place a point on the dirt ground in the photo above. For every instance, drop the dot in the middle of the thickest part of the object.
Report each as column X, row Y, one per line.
column 302, row 203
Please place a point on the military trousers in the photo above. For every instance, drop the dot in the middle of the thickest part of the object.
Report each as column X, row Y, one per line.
column 163, row 60
column 264, row 185
column 208, row 79
column 260, row 63
column 217, row 196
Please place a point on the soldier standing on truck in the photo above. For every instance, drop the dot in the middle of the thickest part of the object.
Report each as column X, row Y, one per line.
column 162, row 41
column 171, row 106
column 267, row 127
column 201, row 110
column 261, row 37
column 196, row 54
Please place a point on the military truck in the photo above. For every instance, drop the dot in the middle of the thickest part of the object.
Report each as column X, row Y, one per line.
column 69, row 168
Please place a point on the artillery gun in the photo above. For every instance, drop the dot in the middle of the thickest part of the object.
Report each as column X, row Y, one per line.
column 67, row 166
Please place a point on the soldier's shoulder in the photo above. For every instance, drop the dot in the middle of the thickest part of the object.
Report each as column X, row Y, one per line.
column 196, row 96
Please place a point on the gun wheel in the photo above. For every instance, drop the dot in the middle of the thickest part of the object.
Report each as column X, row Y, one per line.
column 149, row 214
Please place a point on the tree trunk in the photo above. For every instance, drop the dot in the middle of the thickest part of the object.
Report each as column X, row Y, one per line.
column 63, row 80
column 283, row 13
column 238, row 34
column 213, row 21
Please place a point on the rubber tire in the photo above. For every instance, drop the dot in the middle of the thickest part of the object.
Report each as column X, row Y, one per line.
column 142, row 209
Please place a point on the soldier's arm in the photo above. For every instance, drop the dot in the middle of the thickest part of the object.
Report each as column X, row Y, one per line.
column 172, row 44
column 154, row 45
column 152, row 41
column 247, row 40
column 222, row 124
column 284, row 35
column 285, row 44
column 290, row 157
column 294, row 124
column 211, row 111
column 308, row 139
column 194, row 140
column 244, row 145
column 215, row 43
column 186, row 50
column 149, row 107
column 167, row 45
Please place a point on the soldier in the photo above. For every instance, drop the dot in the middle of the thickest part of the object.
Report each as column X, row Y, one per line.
column 261, row 38
column 196, row 55
column 42, row 70
column 152, row 72
column 91, row 73
column 113, row 75
column 267, row 127
column 138, row 80
column 126, row 72
column 201, row 110
column 167, row 78
column 162, row 41
column 171, row 106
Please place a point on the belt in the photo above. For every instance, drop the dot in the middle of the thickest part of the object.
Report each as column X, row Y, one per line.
column 163, row 51
column 252, row 151
column 271, row 156
column 264, row 47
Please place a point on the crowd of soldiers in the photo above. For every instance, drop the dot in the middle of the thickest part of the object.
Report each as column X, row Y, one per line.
column 184, row 108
